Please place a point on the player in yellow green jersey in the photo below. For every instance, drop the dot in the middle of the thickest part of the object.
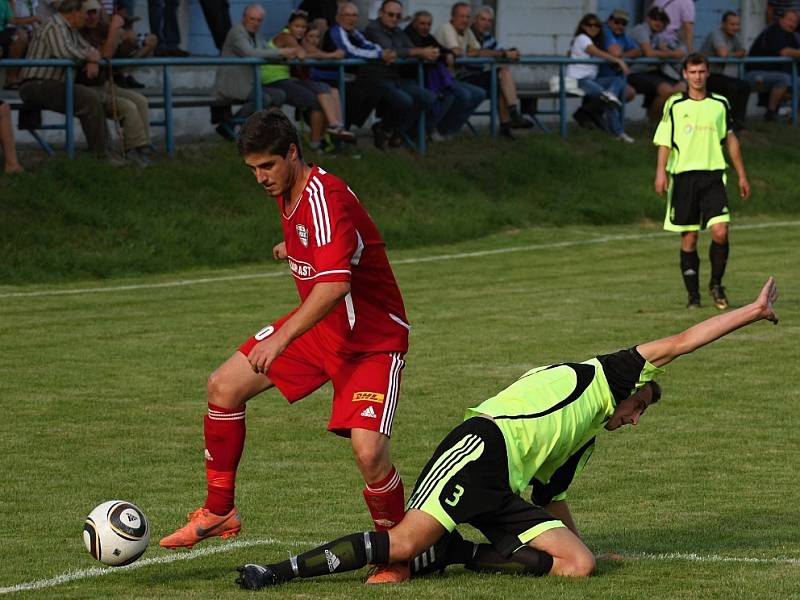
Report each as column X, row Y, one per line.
column 538, row 431
column 691, row 171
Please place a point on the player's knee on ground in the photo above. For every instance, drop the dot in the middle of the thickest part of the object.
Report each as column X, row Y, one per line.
column 580, row 564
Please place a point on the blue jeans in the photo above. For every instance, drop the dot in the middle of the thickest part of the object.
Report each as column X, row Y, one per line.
column 406, row 100
column 164, row 23
column 466, row 98
column 614, row 84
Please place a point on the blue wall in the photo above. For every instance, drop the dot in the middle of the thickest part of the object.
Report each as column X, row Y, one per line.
column 199, row 41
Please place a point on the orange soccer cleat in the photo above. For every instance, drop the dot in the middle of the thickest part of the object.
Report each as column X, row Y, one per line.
column 204, row 524
column 391, row 573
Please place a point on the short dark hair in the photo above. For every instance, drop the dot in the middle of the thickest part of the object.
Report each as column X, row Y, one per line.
column 658, row 14
column 696, row 58
column 456, row 6
column 728, row 13
column 268, row 131
column 655, row 391
column 385, row 2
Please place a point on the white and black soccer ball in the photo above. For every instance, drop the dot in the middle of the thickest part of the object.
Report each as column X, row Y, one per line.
column 116, row 533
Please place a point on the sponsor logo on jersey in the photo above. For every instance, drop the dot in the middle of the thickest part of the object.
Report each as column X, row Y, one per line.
column 302, row 233
column 333, row 560
column 368, row 397
column 301, row 269
column 369, row 412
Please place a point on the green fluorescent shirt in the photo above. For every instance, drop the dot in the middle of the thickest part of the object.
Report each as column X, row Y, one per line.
column 551, row 412
column 695, row 130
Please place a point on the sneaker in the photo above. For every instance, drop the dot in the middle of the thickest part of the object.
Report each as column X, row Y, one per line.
column 770, row 116
column 694, row 301
column 624, row 137
column 611, row 98
column 203, row 524
column 391, row 573
column 338, row 132
column 225, row 131
column 519, row 122
column 583, row 118
column 255, row 577
column 505, row 131
column 718, row 296
column 138, row 158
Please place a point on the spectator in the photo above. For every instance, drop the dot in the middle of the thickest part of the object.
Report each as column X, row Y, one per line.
column 131, row 43
column 398, row 88
column 218, row 18
column 725, row 42
column 164, row 24
column 126, row 106
column 618, row 43
column 45, row 87
column 778, row 39
column 345, row 36
column 7, row 140
column 13, row 40
column 235, row 83
column 466, row 97
column 679, row 30
column 315, row 96
column 650, row 80
column 460, row 39
column 586, row 44
column 320, row 11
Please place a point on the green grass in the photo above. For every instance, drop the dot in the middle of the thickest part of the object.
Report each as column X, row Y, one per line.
column 66, row 220
column 103, row 397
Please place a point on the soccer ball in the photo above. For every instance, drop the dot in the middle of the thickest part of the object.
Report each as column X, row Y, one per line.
column 116, row 533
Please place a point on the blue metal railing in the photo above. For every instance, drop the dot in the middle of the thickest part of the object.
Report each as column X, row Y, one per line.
column 561, row 62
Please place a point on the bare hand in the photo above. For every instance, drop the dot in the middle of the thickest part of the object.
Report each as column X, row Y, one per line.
column 431, row 53
column 92, row 70
column 264, row 352
column 338, row 54
column 279, row 251
column 624, row 67
column 299, row 53
column 117, row 22
column 662, row 182
column 744, row 188
column 93, row 55
column 512, row 54
column 389, row 56
column 766, row 299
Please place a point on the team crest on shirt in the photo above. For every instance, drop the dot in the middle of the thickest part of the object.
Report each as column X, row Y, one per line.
column 302, row 233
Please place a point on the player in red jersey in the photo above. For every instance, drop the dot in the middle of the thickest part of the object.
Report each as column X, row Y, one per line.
column 350, row 328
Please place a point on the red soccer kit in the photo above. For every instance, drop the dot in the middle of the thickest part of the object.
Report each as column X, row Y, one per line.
column 359, row 346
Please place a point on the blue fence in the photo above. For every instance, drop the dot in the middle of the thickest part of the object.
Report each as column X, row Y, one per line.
column 167, row 64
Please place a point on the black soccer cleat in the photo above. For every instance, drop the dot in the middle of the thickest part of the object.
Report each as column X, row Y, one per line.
column 434, row 559
column 254, row 577
column 718, row 295
column 694, row 301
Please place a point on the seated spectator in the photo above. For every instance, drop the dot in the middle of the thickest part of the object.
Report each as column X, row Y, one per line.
column 13, row 38
column 127, row 107
column 7, row 140
column 398, row 87
column 317, row 97
column 460, row 39
column 131, row 44
column 236, row 83
column 586, row 44
column 679, row 30
column 724, row 42
column 45, row 87
column 651, row 80
column 465, row 96
column 618, row 43
column 345, row 36
column 778, row 39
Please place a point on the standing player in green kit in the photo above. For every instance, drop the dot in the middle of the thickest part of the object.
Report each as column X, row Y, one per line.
column 691, row 171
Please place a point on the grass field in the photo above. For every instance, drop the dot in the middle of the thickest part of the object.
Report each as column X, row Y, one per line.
column 103, row 393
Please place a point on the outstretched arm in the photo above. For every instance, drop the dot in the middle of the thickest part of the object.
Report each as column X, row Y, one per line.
column 664, row 351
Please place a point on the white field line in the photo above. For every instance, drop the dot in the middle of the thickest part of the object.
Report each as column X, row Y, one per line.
column 406, row 261
column 82, row 574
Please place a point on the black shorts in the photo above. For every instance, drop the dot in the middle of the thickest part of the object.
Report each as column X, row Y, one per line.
column 647, row 83
column 466, row 481
column 483, row 79
column 7, row 36
column 695, row 200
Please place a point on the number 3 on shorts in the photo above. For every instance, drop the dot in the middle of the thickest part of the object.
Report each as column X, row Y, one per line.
column 457, row 493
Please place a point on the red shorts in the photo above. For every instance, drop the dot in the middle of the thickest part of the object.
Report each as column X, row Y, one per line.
column 366, row 387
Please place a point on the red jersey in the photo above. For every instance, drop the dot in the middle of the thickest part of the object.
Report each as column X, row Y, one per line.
column 330, row 237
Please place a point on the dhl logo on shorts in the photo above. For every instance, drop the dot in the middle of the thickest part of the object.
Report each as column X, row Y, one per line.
column 368, row 397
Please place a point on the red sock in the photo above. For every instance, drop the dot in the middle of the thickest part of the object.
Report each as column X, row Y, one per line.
column 386, row 501
column 224, row 431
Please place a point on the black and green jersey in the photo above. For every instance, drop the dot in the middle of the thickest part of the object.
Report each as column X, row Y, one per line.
column 695, row 130
column 550, row 416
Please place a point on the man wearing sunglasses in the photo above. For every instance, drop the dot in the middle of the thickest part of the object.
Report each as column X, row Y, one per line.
column 618, row 43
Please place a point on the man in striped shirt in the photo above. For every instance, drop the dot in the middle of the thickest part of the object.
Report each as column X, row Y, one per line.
column 45, row 86
column 350, row 329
